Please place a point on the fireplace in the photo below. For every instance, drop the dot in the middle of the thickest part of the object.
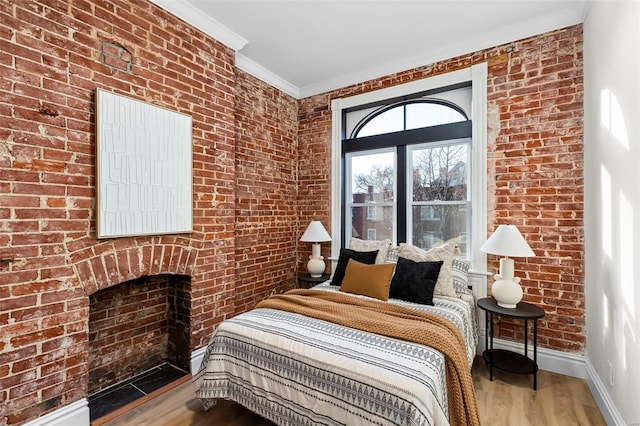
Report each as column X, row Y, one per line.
column 136, row 328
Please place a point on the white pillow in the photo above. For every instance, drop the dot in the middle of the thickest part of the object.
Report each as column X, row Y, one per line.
column 370, row 245
column 445, row 252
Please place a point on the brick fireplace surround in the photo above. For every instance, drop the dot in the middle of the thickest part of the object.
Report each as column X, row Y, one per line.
column 261, row 172
column 136, row 326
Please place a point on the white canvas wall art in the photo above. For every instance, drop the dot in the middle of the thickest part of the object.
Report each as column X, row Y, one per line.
column 144, row 168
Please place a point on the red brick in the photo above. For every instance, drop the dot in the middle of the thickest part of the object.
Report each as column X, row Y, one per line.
column 50, row 198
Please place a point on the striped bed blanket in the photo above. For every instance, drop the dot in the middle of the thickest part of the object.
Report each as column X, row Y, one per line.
column 297, row 370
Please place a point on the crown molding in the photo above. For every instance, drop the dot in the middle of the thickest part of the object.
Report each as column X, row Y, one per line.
column 194, row 16
column 517, row 31
column 497, row 37
column 260, row 72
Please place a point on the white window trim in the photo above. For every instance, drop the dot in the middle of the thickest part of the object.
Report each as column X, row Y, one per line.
column 477, row 75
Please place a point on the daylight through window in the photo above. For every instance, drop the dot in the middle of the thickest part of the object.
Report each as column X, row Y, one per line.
column 406, row 171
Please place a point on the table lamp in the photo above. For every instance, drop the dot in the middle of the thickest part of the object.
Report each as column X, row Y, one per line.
column 315, row 234
column 507, row 241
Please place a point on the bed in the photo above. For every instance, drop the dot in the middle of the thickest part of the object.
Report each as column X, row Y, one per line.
column 294, row 369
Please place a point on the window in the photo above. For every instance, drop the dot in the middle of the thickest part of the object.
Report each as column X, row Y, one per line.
column 439, row 202
column 426, row 213
column 405, row 159
column 371, row 201
column 349, row 112
column 409, row 115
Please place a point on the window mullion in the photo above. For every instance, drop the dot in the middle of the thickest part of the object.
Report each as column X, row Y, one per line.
column 401, row 194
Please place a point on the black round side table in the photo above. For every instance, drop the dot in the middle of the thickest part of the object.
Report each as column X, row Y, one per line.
column 306, row 280
column 506, row 360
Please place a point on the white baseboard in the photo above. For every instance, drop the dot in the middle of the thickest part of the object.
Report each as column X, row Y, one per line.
column 570, row 365
column 603, row 399
column 77, row 413
column 74, row 414
column 548, row 359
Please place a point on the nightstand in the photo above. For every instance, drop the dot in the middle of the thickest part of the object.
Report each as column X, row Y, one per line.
column 306, row 280
column 510, row 361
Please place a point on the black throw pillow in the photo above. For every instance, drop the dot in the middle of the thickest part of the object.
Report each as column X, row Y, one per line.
column 367, row 257
column 414, row 281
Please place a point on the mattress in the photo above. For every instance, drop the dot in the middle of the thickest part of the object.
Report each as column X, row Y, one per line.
column 296, row 370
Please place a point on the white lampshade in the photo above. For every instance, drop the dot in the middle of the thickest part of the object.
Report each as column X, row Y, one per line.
column 315, row 233
column 507, row 241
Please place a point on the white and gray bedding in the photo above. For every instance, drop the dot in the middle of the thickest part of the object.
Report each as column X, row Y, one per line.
column 296, row 370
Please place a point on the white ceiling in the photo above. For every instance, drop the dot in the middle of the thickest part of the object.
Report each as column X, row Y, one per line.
column 306, row 47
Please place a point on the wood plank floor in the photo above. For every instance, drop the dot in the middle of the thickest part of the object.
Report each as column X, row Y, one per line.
column 507, row 400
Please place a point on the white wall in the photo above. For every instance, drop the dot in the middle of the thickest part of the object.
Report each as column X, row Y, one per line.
column 612, row 200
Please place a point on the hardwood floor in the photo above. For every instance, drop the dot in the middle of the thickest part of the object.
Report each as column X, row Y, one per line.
column 507, row 400
column 510, row 400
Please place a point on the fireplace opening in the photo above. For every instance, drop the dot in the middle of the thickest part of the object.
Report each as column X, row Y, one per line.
column 138, row 339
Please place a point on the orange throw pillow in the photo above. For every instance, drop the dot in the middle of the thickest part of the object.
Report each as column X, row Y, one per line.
column 368, row 280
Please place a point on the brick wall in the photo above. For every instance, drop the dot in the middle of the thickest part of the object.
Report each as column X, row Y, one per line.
column 244, row 221
column 535, row 168
column 50, row 65
column 267, row 227
column 536, row 177
column 314, row 175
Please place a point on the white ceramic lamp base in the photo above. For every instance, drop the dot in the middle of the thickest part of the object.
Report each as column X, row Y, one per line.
column 506, row 289
column 506, row 293
column 316, row 265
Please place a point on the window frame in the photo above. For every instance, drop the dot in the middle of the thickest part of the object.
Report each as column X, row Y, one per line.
column 477, row 75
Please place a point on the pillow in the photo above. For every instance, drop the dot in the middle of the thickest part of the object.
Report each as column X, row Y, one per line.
column 414, row 281
column 460, row 274
column 444, row 285
column 367, row 257
column 368, row 280
column 368, row 245
column 392, row 254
